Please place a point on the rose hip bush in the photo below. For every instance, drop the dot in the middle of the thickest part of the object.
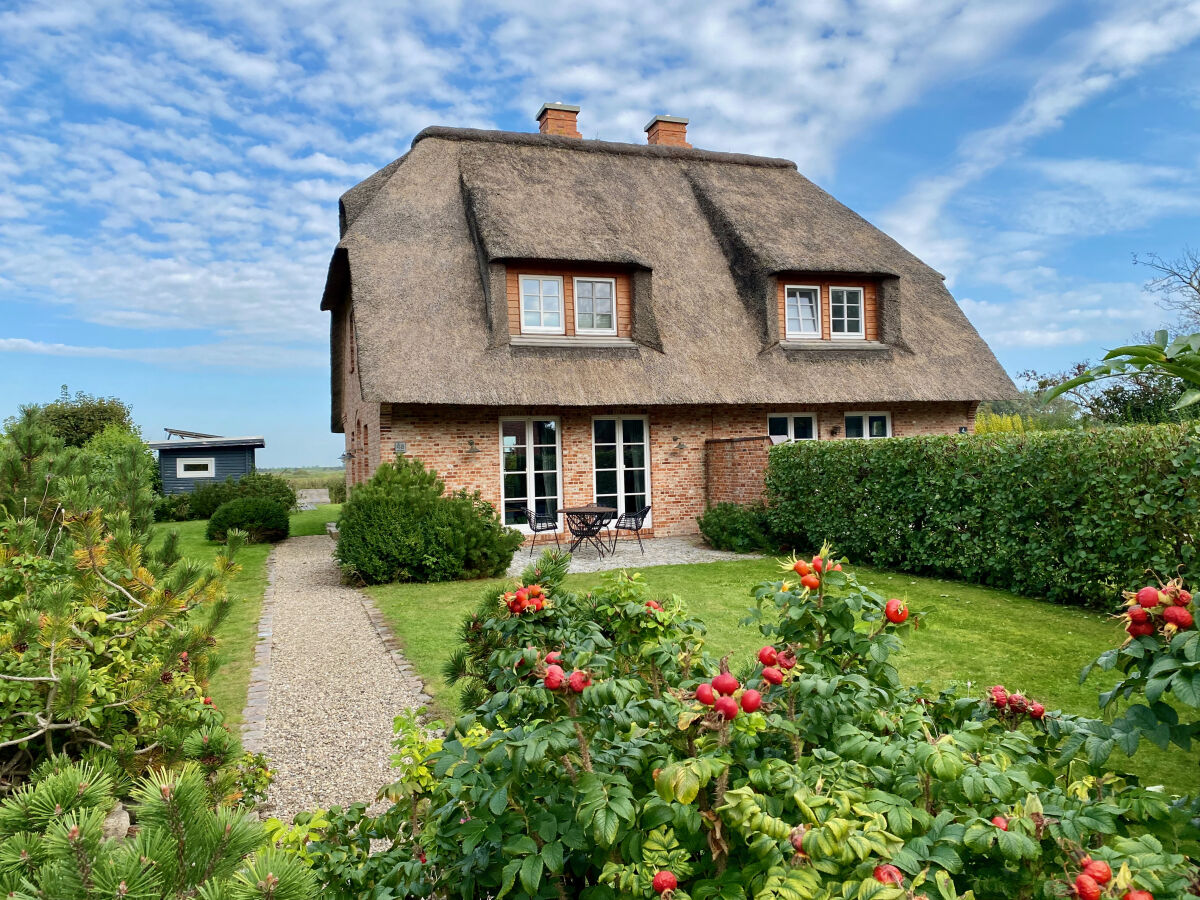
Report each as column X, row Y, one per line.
column 612, row 754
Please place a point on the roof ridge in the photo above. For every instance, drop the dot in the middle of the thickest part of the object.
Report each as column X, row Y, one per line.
column 560, row 142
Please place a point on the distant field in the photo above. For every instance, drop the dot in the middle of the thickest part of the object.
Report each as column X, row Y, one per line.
column 308, row 476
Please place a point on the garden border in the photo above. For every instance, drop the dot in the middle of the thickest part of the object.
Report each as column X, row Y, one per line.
column 254, row 713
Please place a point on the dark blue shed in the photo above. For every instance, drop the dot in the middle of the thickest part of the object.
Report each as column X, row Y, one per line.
column 196, row 460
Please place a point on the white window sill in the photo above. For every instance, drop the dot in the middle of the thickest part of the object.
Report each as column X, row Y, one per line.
column 561, row 340
column 838, row 344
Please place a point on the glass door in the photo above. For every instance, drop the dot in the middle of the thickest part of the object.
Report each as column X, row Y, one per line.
column 621, row 462
column 529, row 468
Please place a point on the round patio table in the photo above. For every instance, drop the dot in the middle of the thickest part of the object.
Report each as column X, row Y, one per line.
column 585, row 522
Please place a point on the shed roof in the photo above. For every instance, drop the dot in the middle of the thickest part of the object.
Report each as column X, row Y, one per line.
column 207, row 443
column 713, row 230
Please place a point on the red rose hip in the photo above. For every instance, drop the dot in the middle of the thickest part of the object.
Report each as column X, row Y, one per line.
column 725, row 683
column 1000, row 822
column 768, row 656
column 771, row 675
column 1086, row 887
column 1099, row 871
column 896, row 611
column 727, row 707
column 751, row 700
column 664, row 881
column 1148, row 597
column 888, row 874
column 704, row 693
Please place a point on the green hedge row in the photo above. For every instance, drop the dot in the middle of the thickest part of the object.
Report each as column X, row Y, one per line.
column 1073, row 516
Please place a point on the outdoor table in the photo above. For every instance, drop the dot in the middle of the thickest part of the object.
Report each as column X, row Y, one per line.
column 585, row 522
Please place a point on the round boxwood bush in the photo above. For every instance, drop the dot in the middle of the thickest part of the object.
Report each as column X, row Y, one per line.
column 264, row 520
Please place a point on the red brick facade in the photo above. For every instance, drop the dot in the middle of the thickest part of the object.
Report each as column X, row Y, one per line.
column 687, row 469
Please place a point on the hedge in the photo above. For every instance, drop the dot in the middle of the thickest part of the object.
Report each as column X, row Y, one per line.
column 264, row 520
column 1072, row 516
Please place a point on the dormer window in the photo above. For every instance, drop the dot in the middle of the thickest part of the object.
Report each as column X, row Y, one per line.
column 541, row 304
column 846, row 312
column 595, row 306
column 803, row 310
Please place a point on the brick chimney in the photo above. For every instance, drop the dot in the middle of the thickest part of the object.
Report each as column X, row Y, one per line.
column 558, row 118
column 668, row 130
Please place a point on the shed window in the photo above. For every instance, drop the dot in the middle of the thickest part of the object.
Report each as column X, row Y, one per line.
column 595, row 306
column 541, row 304
column 803, row 310
column 846, row 312
column 195, row 468
column 786, row 427
column 868, row 425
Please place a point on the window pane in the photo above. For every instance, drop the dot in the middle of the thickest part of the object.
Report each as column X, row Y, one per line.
column 793, row 325
column 879, row 426
column 549, row 287
column 609, row 500
column 514, row 486
column 605, row 431
column 854, row 426
column 803, row 428
column 514, row 513
column 603, row 322
column 606, row 482
column 545, row 459
column 514, row 459
column 547, row 506
column 545, row 484
column 635, row 481
column 633, row 503
column 602, row 290
column 532, row 319
column 604, row 305
column 635, row 456
column 838, row 323
column 633, row 431
column 583, row 289
column 606, row 456
column 545, row 431
column 584, row 305
column 551, row 320
column 513, row 432
column 777, row 426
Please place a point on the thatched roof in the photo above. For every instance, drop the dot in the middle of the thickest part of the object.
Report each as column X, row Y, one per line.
column 704, row 233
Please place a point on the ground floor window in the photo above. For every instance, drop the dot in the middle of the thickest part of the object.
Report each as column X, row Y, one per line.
column 784, row 427
column 621, row 462
column 868, row 425
column 195, row 468
column 530, row 468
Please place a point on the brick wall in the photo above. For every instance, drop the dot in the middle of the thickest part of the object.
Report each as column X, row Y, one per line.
column 737, row 469
column 679, row 452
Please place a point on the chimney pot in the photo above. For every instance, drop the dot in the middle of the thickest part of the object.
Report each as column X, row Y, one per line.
column 558, row 118
column 667, row 130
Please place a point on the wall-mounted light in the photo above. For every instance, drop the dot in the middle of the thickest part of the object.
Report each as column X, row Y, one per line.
column 962, row 429
column 681, row 446
column 835, row 430
column 471, row 448
column 349, row 454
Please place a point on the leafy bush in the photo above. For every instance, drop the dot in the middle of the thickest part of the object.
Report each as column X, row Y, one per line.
column 264, row 521
column 52, row 841
column 742, row 529
column 598, row 764
column 337, row 489
column 173, row 508
column 1068, row 515
column 78, row 419
column 400, row 526
column 206, row 498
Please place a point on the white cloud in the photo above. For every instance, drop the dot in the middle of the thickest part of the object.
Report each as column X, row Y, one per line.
column 224, row 355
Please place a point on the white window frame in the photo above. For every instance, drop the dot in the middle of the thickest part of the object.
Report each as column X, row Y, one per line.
column 859, row 335
column 612, row 282
column 801, row 334
column 867, row 425
column 645, row 420
column 791, row 435
column 562, row 305
column 181, row 461
column 529, row 496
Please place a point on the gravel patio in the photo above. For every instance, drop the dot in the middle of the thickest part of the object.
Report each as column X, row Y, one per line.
column 660, row 551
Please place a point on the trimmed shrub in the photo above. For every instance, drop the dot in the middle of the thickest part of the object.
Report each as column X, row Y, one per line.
column 742, row 529
column 400, row 526
column 264, row 520
column 207, row 498
column 1066, row 515
column 337, row 489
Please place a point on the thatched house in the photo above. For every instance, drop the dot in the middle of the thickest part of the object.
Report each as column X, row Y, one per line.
column 557, row 321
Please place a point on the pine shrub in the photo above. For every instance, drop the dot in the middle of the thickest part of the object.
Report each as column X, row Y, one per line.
column 401, row 526
column 1066, row 515
column 741, row 529
column 264, row 520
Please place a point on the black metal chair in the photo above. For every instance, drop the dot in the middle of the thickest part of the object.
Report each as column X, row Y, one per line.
column 586, row 527
column 540, row 522
column 632, row 522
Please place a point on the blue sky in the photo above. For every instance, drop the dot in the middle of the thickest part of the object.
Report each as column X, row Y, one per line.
column 169, row 172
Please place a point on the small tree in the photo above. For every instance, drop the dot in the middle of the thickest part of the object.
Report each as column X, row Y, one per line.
column 79, row 418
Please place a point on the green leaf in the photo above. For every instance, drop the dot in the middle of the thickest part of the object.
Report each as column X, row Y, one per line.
column 531, row 873
column 552, row 856
column 1186, row 688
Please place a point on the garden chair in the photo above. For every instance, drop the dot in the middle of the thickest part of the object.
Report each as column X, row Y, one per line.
column 585, row 527
column 631, row 522
column 540, row 522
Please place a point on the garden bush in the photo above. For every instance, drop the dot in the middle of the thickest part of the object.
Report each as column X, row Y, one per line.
column 742, row 529
column 206, row 499
column 610, row 755
column 264, row 520
column 1067, row 515
column 401, row 526
column 173, row 508
column 337, row 489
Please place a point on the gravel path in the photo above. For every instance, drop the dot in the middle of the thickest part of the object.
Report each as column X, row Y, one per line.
column 662, row 551
column 333, row 687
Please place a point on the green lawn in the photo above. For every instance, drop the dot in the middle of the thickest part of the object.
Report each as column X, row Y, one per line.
column 238, row 634
column 974, row 634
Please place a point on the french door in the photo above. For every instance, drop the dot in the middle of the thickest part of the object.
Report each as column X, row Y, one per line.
column 621, row 462
column 530, row 468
